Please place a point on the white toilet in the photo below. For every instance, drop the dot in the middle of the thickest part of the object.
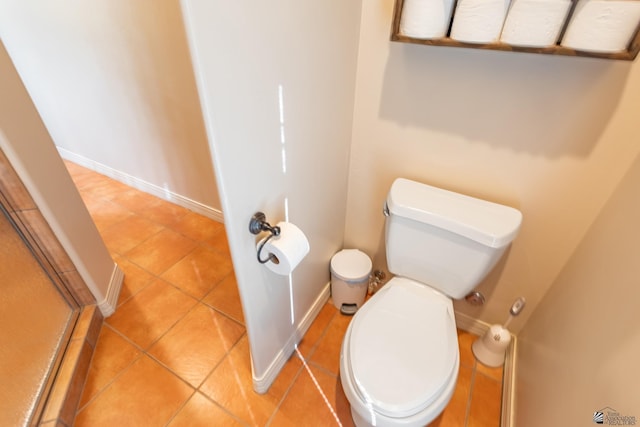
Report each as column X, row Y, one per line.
column 399, row 359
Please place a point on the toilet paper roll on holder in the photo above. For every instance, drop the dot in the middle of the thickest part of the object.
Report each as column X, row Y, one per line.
column 258, row 224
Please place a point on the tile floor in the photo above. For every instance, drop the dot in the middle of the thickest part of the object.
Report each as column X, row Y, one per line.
column 175, row 353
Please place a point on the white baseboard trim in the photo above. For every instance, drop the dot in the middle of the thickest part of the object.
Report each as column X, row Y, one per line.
column 261, row 385
column 142, row 185
column 108, row 305
column 507, row 415
column 471, row 325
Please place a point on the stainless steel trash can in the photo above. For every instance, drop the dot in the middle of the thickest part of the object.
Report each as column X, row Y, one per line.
column 350, row 270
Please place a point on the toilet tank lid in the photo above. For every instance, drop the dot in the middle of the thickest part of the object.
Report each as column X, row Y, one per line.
column 485, row 222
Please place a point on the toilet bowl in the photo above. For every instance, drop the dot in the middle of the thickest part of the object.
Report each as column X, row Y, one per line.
column 399, row 359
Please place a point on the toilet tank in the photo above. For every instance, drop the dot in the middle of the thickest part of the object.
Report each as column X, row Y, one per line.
column 443, row 239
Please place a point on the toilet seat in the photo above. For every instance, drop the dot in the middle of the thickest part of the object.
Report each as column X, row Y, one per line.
column 402, row 349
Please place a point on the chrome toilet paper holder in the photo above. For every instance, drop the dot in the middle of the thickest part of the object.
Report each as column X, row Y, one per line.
column 258, row 224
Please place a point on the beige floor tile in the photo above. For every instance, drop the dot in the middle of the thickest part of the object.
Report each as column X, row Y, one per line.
column 286, row 377
column 104, row 212
column 493, row 373
column 128, row 233
column 166, row 213
column 136, row 201
column 106, row 188
column 146, row 394
column 199, row 271
column 231, row 386
column 135, row 278
column 327, row 353
column 485, row 405
column 95, row 183
column 111, row 356
column 201, row 412
column 219, row 242
column 317, row 328
column 225, row 297
column 315, row 399
column 86, row 181
column 342, row 406
column 455, row 414
column 150, row 313
column 197, row 343
column 161, row 251
column 465, row 339
column 76, row 171
column 198, row 227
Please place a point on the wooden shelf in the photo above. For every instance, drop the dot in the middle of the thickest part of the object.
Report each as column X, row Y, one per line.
column 628, row 55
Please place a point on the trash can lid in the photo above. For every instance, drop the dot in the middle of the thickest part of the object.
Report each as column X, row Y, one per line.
column 351, row 264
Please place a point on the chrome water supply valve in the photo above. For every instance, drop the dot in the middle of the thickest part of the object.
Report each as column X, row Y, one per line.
column 376, row 281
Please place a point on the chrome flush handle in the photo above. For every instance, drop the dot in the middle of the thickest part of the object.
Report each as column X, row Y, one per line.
column 385, row 209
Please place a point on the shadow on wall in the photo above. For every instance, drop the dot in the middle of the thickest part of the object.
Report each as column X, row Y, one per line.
column 486, row 287
column 164, row 76
column 113, row 82
column 545, row 105
column 578, row 352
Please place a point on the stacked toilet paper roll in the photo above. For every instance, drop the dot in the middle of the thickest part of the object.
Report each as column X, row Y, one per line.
column 535, row 23
column 479, row 21
column 426, row 19
column 288, row 248
column 602, row 25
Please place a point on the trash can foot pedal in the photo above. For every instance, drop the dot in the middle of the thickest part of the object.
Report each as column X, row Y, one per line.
column 349, row 309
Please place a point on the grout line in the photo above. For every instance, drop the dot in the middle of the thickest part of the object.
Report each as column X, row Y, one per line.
column 312, row 350
column 203, row 243
column 231, row 414
column 284, row 396
column 228, row 316
column 106, row 386
column 471, row 386
column 172, row 417
column 315, row 382
column 143, row 353
column 162, row 204
column 197, row 301
column 325, row 331
column 124, row 301
column 220, row 362
column 321, row 368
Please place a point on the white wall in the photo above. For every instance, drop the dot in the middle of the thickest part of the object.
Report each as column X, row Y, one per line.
column 28, row 146
column 276, row 82
column 549, row 135
column 578, row 353
column 113, row 83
